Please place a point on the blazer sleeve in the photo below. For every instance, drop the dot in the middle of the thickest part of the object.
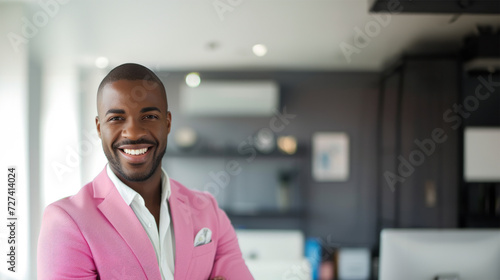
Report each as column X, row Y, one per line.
column 62, row 251
column 229, row 261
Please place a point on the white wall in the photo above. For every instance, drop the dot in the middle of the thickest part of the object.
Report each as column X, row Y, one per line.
column 93, row 158
column 41, row 119
column 60, row 126
column 14, row 138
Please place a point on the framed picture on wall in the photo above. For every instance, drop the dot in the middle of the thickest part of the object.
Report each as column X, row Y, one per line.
column 330, row 156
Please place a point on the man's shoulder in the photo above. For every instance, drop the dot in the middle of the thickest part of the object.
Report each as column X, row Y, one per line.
column 99, row 187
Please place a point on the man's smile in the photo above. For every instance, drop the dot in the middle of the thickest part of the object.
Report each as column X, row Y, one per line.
column 135, row 154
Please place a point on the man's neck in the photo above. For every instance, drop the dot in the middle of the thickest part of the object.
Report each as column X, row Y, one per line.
column 150, row 189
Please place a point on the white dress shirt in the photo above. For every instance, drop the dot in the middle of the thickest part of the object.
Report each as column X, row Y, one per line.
column 163, row 240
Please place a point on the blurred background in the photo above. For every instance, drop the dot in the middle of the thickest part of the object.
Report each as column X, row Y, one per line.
column 315, row 124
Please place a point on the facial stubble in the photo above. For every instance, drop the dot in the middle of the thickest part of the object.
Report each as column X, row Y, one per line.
column 115, row 163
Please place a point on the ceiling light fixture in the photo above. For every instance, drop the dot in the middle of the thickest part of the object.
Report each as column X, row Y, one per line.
column 101, row 62
column 193, row 79
column 259, row 50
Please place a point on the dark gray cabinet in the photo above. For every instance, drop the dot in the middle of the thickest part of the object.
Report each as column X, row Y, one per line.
column 418, row 144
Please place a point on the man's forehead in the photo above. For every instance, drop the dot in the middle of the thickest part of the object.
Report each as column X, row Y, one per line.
column 135, row 93
column 133, row 86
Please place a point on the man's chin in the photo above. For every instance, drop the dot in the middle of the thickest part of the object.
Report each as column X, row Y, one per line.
column 139, row 174
column 132, row 171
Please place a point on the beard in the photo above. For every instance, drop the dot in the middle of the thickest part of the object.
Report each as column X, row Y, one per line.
column 113, row 159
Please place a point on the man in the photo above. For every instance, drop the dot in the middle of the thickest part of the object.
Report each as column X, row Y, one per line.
column 132, row 221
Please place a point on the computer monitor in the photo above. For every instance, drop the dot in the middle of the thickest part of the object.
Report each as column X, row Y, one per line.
column 426, row 254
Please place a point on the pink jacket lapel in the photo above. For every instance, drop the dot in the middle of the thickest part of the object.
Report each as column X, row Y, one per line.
column 183, row 231
column 124, row 220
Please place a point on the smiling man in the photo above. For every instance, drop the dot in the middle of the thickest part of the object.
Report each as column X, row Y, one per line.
column 132, row 221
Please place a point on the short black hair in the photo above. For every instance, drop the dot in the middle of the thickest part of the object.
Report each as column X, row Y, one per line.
column 130, row 72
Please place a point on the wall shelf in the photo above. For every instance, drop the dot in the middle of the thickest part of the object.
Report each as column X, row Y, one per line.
column 252, row 198
column 267, row 214
column 232, row 153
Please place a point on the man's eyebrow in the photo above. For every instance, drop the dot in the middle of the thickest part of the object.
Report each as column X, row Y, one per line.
column 147, row 109
column 115, row 111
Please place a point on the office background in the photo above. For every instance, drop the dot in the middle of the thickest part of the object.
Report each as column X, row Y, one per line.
column 384, row 90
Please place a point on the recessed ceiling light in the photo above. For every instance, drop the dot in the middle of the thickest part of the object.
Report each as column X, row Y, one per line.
column 193, row 79
column 101, row 62
column 213, row 45
column 259, row 50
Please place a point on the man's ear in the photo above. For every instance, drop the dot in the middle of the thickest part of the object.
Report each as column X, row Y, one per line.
column 169, row 121
column 98, row 126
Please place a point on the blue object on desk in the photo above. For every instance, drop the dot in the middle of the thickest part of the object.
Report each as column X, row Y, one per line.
column 313, row 254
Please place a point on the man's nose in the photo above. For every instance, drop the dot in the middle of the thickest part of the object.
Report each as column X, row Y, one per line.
column 133, row 130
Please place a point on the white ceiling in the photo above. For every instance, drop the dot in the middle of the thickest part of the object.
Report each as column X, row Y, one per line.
column 299, row 34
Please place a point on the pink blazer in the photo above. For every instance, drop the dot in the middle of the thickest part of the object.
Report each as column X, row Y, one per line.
column 96, row 235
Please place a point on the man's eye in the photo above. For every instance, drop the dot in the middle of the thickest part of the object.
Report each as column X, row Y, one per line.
column 151, row 117
column 115, row 119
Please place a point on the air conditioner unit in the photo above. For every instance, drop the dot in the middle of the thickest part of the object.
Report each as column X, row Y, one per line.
column 230, row 98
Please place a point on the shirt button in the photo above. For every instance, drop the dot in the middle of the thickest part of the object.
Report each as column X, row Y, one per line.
column 150, row 225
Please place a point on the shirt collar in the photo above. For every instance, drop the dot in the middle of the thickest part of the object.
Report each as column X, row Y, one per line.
column 128, row 194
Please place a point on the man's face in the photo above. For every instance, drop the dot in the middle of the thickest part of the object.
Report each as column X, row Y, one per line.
column 133, row 124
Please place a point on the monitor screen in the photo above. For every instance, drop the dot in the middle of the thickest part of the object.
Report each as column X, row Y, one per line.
column 426, row 254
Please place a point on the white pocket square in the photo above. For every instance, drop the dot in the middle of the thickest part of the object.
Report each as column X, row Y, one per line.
column 203, row 237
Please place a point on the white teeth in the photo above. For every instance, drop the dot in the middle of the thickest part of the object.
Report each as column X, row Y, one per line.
column 135, row 152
